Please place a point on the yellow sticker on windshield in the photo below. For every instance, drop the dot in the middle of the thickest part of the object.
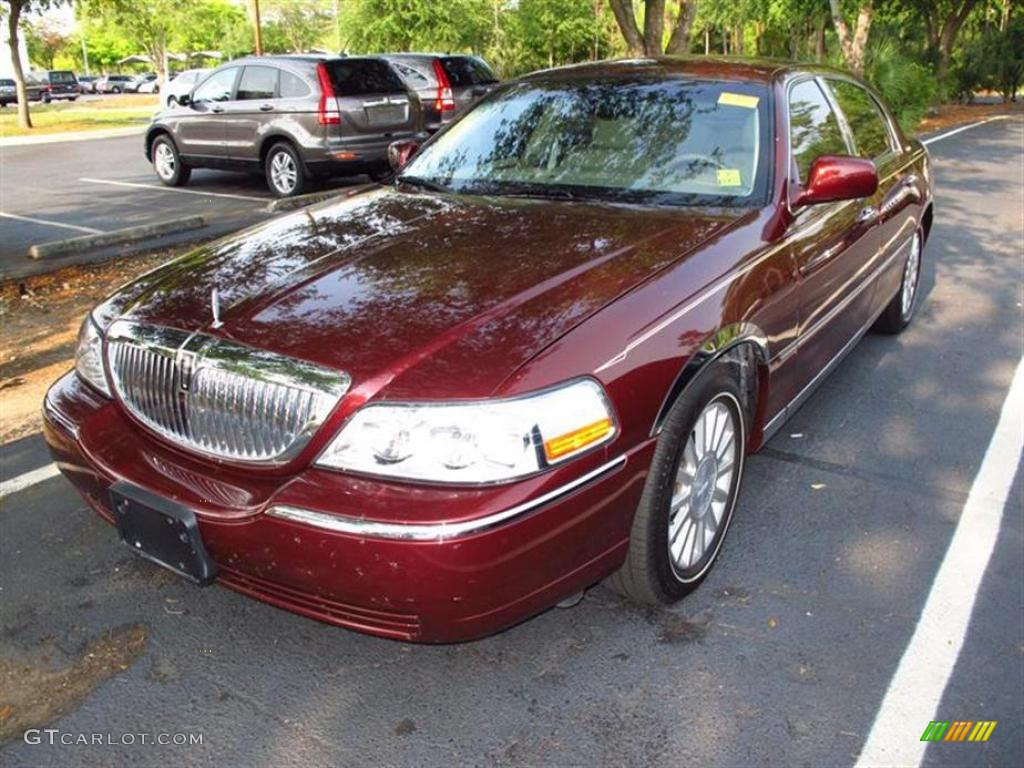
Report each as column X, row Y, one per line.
column 737, row 100
column 729, row 177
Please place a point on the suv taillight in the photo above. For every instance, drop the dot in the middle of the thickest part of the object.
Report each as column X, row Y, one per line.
column 327, row 112
column 445, row 101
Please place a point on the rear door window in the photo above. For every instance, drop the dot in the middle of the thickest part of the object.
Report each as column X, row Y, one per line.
column 465, row 71
column 362, row 77
column 257, row 83
column 292, row 86
column 863, row 115
column 813, row 127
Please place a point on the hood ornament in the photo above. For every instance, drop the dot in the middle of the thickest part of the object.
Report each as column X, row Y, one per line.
column 215, row 307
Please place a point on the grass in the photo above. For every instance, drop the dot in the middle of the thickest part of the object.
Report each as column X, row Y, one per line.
column 64, row 116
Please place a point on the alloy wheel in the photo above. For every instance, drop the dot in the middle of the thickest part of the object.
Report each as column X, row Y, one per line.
column 284, row 172
column 911, row 274
column 164, row 161
column 704, row 488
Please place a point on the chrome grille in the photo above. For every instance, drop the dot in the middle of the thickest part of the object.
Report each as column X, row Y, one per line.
column 220, row 398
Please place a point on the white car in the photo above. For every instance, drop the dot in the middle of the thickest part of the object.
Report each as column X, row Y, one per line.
column 182, row 84
column 149, row 86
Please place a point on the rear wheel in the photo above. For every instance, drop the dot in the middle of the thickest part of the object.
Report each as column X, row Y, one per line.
column 167, row 163
column 286, row 175
column 898, row 314
column 690, row 495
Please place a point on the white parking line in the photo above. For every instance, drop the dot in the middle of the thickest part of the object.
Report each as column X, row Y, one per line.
column 161, row 188
column 47, row 222
column 955, row 131
column 916, row 689
column 21, row 482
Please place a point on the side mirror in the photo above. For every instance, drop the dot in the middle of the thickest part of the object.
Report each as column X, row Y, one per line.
column 185, row 100
column 401, row 152
column 837, row 177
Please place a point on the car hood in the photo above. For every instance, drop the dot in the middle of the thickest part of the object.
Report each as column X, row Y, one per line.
column 419, row 295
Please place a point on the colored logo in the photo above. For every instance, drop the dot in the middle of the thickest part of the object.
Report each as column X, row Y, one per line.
column 958, row 730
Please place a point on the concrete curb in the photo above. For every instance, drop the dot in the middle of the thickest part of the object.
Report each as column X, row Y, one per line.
column 57, row 138
column 117, row 237
column 291, row 203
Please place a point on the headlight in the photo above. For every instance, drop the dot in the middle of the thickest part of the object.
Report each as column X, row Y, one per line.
column 89, row 356
column 478, row 442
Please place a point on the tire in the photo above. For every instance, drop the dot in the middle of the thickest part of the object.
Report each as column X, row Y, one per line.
column 285, row 173
column 73, row 98
column 115, row 89
column 46, row 98
column 380, row 172
column 900, row 311
column 170, row 168
column 654, row 572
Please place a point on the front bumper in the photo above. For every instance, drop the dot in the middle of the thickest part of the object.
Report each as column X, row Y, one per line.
column 566, row 533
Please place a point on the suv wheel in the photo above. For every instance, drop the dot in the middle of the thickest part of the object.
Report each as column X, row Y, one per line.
column 286, row 175
column 167, row 163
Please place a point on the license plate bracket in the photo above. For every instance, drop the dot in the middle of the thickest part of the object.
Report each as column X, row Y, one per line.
column 162, row 531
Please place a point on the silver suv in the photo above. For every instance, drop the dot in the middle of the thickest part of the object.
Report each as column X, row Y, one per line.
column 290, row 117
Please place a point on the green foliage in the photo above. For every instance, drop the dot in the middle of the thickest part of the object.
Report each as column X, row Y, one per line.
column 908, row 87
column 993, row 61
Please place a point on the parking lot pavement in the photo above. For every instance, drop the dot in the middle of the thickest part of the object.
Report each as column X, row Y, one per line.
column 782, row 657
column 56, row 191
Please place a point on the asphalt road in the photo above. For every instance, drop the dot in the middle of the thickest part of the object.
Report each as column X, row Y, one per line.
column 781, row 658
column 67, row 189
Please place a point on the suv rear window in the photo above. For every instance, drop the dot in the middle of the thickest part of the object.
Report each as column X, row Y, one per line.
column 466, row 71
column 6, row 83
column 361, row 77
column 62, row 77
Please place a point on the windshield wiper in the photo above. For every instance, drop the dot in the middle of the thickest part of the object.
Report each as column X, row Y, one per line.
column 419, row 181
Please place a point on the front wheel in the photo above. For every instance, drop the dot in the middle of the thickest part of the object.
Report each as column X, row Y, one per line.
column 286, row 176
column 167, row 163
column 898, row 314
column 690, row 494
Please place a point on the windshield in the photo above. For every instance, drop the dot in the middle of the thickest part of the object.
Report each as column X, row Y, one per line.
column 680, row 142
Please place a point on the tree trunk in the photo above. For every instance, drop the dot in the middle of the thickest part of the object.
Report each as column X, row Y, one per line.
column 654, row 27
column 853, row 45
column 947, row 38
column 679, row 42
column 24, row 118
column 819, row 40
column 623, row 11
column 707, row 41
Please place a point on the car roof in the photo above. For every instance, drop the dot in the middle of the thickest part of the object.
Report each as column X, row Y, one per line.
column 757, row 70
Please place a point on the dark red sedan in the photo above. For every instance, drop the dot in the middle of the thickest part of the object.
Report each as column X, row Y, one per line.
column 535, row 359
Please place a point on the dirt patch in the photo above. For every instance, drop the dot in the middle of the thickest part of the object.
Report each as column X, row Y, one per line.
column 36, row 692
column 39, row 320
column 951, row 115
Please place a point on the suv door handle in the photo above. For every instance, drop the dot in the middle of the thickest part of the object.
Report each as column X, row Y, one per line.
column 266, row 107
column 218, row 110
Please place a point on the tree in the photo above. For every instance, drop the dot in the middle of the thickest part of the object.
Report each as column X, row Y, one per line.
column 652, row 41
column 149, row 24
column 853, row 44
column 943, row 20
column 17, row 9
column 45, row 41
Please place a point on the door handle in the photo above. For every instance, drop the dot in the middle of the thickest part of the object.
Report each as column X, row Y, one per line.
column 218, row 110
column 868, row 215
column 266, row 107
column 379, row 103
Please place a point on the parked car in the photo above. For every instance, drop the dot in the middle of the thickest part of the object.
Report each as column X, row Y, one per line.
column 113, row 83
column 137, row 81
column 87, row 83
column 536, row 358
column 182, row 85
column 8, row 92
column 57, row 84
column 289, row 117
column 446, row 84
column 149, row 85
